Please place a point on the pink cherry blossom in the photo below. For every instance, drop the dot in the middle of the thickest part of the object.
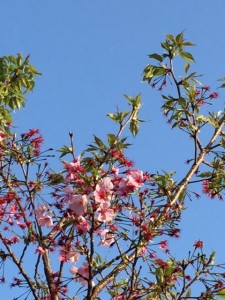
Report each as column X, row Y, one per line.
column 106, row 214
column 115, row 170
column 45, row 221
column 40, row 250
column 71, row 256
column 78, row 203
column 135, row 178
column 69, row 192
column 129, row 184
column 73, row 169
column 82, row 273
column 123, row 190
column 40, row 210
column 103, row 190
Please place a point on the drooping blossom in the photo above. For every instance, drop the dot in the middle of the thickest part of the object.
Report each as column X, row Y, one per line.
column 40, row 210
column 76, row 202
column 214, row 95
column 207, row 189
column 122, row 189
column 21, row 225
column 143, row 250
column 69, row 192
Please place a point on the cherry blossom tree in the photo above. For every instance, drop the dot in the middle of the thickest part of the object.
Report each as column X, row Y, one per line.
column 99, row 227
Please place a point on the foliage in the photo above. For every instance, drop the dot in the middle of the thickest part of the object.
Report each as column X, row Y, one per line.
column 100, row 227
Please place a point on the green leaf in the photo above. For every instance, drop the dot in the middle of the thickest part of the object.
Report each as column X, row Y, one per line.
column 99, row 142
column 134, row 127
column 222, row 86
column 205, row 174
column 180, row 38
column 182, row 102
column 171, row 37
column 65, row 150
column 188, row 294
column 156, row 56
column 129, row 98
column 187, row 56
column 186, row 67
column 221, row 294
column 111, row 139
column 150, row 71
column 55, row 179
column 113, row 117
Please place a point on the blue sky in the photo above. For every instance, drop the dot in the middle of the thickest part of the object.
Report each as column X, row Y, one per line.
column 91, row 53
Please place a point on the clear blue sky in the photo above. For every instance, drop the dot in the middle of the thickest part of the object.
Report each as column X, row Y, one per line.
column 91, row 53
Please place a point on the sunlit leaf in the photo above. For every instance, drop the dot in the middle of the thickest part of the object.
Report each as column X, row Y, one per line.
column 187, row 56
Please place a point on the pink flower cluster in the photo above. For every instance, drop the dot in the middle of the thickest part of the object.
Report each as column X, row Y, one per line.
column 77, row 203
column 89, row 204
column 34, row 138
column 102, row 195
column 129, row 184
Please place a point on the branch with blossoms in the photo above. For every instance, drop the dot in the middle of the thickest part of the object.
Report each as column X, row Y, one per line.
column 99, row 227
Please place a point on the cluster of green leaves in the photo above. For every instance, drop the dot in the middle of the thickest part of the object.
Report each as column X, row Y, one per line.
column 133, row 120
column 17, row 77
column 169, row 272
column 174, row 46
